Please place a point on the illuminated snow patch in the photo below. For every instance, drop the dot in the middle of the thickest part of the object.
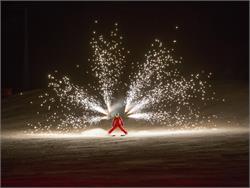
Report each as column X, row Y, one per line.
column 101, row 133
column 95, row 133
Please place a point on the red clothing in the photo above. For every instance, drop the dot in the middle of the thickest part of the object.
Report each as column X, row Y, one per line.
column 117, row 123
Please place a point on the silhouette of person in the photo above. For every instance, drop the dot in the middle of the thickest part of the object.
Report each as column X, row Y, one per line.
column 117, row 123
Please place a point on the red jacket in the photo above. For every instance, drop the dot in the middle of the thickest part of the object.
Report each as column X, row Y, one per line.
column 117, row 121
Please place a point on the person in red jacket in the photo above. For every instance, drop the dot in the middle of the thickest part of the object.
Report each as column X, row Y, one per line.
column 117, row 123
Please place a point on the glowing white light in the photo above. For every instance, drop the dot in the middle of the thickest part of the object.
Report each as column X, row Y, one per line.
column 101, row 133
column 145, row 116
column 107, row 61
column 97, row 108
column 157, row 93
column 160, row 93
column 96, row 119
column 138, row 106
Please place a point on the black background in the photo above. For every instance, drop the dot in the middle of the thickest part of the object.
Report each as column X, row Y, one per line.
column 212, row 36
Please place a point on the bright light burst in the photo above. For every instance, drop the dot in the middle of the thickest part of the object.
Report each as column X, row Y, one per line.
column 107, row 62
column 158, row 93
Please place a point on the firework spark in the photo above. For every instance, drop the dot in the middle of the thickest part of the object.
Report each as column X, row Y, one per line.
column 158, row 93
column 107, row 62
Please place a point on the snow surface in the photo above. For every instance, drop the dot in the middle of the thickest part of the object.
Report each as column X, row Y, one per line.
column 148, row 156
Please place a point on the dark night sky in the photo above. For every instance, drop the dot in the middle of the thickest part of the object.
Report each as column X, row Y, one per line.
column 213, row 36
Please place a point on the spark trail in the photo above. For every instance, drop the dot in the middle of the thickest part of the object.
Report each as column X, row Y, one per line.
column 158, row 93
column 74, row 107
column 107, row 62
